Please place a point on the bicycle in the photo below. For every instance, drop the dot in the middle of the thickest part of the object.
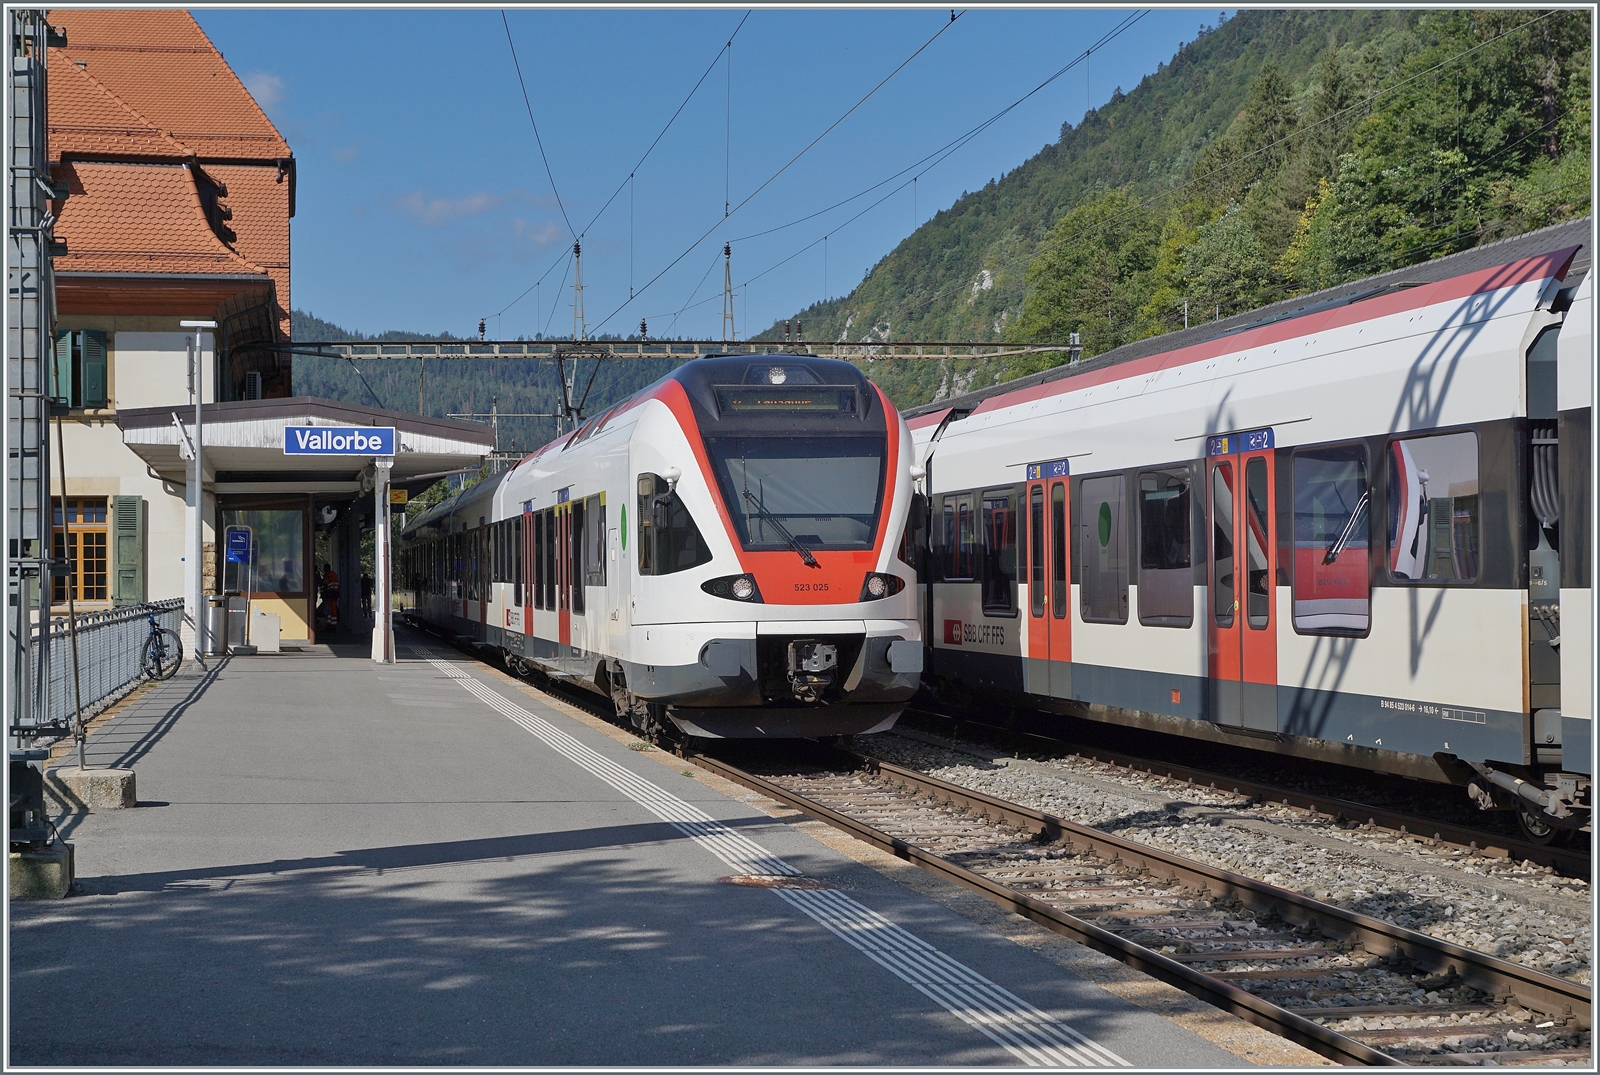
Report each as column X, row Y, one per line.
column 163, row 650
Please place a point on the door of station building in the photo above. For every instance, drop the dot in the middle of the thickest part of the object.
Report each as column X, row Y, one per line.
column 1242, row 637
column 1049, row 619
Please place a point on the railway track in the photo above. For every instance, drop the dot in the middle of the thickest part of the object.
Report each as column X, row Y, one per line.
column 1569, row 861
column 1350, row 987
column 1353, row 988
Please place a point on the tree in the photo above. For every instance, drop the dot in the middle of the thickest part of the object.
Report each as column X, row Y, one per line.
column 1085, row 279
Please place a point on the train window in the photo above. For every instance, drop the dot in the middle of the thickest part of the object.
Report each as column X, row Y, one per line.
column 1257, row 543
column 1332, row 588
column 1166, row 581
column 1104, row 589
column 961, row 537
column 538, row 559
column 1434, row 519
column 516, row 561
column 577, row 534
column 1036, row 550
column 823, row 492
column 669, row 540
column 999, row 553
column 1223, row 582
column 550, row 559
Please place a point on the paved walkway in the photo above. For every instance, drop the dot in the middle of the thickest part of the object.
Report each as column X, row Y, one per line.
column 335, row 862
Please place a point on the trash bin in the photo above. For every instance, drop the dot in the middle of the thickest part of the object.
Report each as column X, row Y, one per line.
column 238, row 611
column 216, row 623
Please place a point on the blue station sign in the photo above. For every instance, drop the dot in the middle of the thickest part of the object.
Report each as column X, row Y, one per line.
column 1055, row 468
column 338, row 440
column 1257, row 440
column 237, row 545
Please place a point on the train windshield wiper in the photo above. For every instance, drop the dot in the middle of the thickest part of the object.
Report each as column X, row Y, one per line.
column 794, row 542
column 1348, row 532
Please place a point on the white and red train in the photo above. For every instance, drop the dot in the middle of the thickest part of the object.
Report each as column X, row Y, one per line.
column 722, row 552
column 1349, row 526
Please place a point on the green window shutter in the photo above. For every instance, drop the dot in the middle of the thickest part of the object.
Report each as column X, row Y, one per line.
column 128, row 527
column 94, row 369
column 61, row 370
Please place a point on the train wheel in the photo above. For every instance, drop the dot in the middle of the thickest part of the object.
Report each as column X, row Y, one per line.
column 1535, row 828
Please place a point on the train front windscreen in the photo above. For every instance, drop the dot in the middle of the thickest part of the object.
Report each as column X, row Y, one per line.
column 825, row 492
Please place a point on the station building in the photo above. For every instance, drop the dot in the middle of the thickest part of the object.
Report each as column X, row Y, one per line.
column 179, row 193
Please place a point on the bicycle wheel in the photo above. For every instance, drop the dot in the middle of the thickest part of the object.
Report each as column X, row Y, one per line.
column 163, row 653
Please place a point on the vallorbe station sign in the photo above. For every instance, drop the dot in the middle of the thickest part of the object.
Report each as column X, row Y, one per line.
column 338, row 440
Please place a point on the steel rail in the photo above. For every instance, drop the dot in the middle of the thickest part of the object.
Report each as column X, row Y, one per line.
column 1543, row 992
column 1572, row 862
column 1224, row 995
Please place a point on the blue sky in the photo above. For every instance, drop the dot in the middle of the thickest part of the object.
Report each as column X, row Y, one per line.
column 423, row 203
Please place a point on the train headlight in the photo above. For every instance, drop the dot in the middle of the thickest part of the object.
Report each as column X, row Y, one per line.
column 734, row 588
column 878, row 586
column 777, row 375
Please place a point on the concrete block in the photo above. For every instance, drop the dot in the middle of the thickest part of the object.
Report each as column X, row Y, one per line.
column 41, row 875
column 91, row 789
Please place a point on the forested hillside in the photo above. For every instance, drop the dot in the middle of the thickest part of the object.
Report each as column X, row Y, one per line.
column 1278, row 154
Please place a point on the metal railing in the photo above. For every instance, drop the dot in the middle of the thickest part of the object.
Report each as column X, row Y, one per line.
column 109, row 647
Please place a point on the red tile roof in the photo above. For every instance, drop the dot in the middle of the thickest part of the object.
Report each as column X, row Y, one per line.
column 139, row 218
column 258, row 196
column 88, row 119
column 162, row 65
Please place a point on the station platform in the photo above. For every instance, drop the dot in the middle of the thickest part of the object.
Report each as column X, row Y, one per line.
column 338, row 862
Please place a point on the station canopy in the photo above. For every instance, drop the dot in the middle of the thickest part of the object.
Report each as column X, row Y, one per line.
column 242, row 443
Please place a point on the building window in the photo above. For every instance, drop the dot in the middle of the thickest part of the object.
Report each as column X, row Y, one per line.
column 83, row 543
column 1433, row 508
column 78, row 374
column 278, row 544
column 1332, row 588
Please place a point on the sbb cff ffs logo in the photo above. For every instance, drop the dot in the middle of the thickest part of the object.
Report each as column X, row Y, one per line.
column 952, row 632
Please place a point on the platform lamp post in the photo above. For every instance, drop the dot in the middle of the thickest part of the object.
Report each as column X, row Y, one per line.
column 196, row 588
column 382, row 628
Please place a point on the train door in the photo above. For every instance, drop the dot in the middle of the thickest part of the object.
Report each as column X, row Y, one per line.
column 1060, row 624
column 1049, row 632
column 1242, row 638
column 563, row 567
column 1036, row 666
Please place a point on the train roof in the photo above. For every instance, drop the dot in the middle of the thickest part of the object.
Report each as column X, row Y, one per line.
column 1572, row 233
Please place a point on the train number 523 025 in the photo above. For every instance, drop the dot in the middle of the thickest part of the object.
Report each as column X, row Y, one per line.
column 813, row 587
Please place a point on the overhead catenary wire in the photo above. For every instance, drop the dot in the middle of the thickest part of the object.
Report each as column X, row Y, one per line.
column 637, row 164
column 966, row 136
column 938, row 156
column 790, row 163
column 540, row 141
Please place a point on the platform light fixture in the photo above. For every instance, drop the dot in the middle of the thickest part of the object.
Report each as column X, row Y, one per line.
column 196, row 347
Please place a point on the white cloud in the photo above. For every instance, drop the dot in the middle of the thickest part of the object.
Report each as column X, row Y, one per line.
column 265, row 87
column 539, row 234
column 436, row 212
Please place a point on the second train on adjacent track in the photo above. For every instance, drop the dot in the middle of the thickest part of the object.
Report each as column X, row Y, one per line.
column 1353, row 526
